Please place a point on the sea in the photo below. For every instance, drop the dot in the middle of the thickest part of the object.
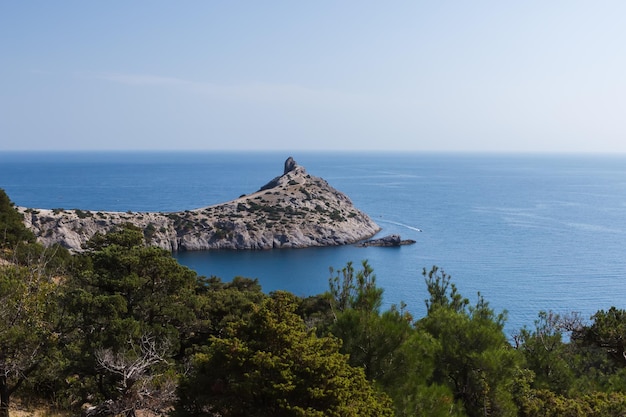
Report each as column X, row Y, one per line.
column 527, row 232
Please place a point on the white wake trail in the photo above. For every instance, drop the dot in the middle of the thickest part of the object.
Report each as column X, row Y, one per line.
column 401, row 224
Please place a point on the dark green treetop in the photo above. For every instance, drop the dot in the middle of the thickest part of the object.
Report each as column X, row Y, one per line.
column 272, row 365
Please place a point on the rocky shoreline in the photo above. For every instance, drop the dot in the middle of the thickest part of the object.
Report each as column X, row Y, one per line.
column 294, row 210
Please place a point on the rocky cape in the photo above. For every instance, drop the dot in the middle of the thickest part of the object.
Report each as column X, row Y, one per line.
column 294, row 210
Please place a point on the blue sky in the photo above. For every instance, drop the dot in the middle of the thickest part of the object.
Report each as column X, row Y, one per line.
column 483, row 76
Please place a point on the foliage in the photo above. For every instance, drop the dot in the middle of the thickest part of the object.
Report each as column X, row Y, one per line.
column 546, row 354
column 12, row 229
column 18, row 245
column 393, row 353
column 273, row 366
column 608, row 332
column 145, row 380
column 370, row 338
column 413, row 391
column 443, row 293
column 355, row 290
column 31, row 325
column 372, row 341
column 474, row 359
column 218, row 304
column 126, row 293
column 545, row 403
column 316, row 312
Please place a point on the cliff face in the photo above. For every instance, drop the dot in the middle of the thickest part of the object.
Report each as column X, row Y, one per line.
column 293, row 210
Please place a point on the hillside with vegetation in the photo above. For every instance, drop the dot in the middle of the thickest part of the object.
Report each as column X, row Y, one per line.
column 293, row 210
column 122, row 329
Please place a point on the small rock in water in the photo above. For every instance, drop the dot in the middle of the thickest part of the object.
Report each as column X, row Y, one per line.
column 387, row 241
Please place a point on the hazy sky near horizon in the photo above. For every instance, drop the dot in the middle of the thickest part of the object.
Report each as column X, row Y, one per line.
column 495, row 76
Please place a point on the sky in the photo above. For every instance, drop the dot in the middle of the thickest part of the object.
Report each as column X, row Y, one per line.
column 462, row 76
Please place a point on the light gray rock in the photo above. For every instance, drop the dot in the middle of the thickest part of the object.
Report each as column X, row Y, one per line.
column 290, row 165
column 294, row 210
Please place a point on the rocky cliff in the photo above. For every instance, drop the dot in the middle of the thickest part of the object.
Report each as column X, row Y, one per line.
column 293, row 210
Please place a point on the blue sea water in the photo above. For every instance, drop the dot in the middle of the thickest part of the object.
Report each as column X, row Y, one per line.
column 528, row 232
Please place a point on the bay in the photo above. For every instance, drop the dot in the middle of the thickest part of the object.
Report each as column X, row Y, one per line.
column 529, row 232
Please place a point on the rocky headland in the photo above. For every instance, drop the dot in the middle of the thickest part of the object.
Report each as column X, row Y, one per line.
column 294, row 210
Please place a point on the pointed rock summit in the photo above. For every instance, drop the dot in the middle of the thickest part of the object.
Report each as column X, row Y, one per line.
column 294, row 210
column 290, row 165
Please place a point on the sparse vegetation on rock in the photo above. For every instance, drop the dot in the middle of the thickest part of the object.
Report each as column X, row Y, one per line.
column 304, row 209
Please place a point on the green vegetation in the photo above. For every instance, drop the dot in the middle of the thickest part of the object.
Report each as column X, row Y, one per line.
column 270, row 365
column 149, row 232
column 83, row 214
column 123, row 327
column 12, row 230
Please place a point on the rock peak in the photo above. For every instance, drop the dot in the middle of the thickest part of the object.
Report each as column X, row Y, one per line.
column 290, row 165
column 291, row 170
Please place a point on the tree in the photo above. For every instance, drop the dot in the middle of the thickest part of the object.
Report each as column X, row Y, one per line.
column 474, row 359
column 123, row 293
column 32, row 322
column 394, row 355
column 127, row 290
column 409, row 380
column 143, row 378
column 545, row 353
column 357, row 290
column 271, row 365
column 31, row 325
column 372, row 341
column 220, row 303
column 443, row 293
column 12, row 229
column 369, row 338
column 545, row 403
column 608, row 332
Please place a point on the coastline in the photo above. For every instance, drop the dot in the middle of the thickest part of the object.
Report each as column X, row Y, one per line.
column 294, row 210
